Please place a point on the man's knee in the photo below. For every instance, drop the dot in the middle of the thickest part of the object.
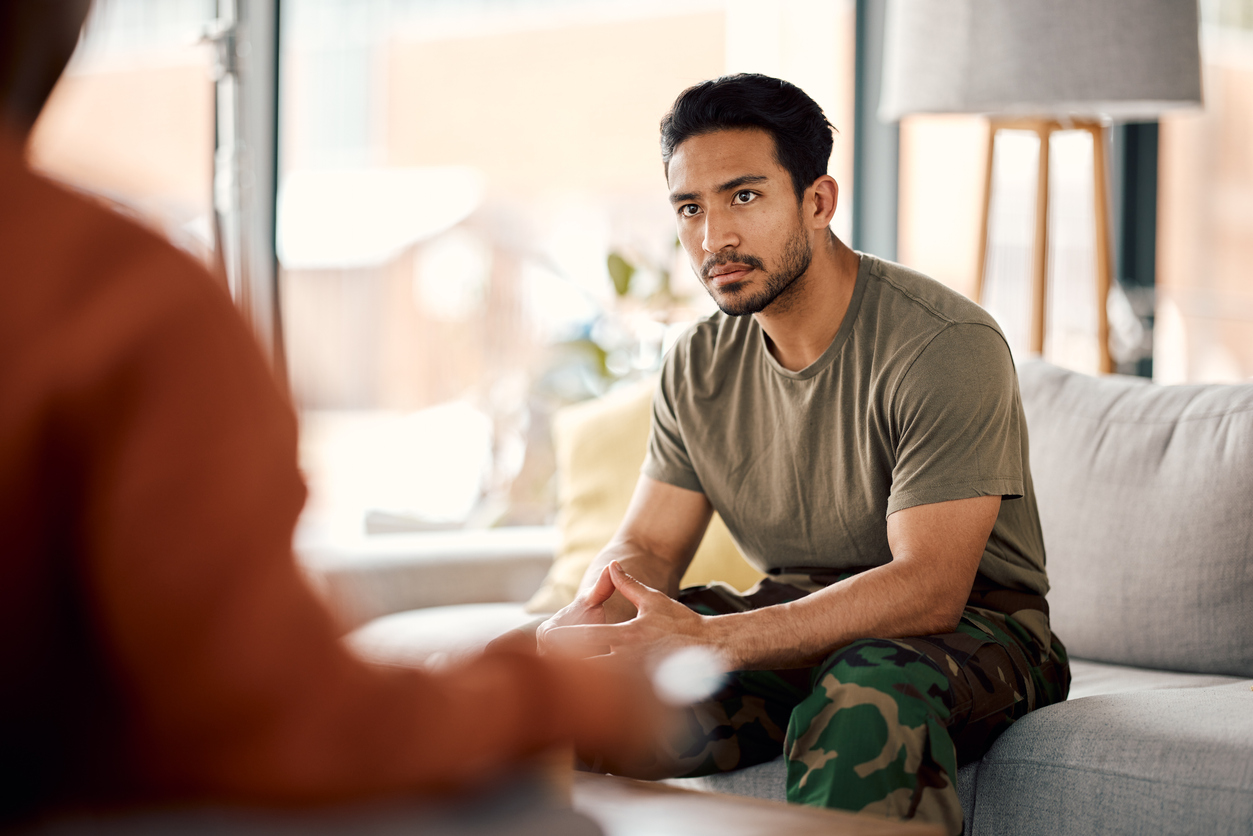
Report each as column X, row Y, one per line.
column 872, row 700
column 871, row 736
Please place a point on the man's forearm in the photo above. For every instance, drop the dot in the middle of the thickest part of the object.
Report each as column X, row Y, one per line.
column 936, row 551
column 892, row 601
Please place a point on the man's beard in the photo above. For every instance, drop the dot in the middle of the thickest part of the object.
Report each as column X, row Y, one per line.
column 737, row 301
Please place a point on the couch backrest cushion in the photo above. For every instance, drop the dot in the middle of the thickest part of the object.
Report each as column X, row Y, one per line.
column 1146, row 500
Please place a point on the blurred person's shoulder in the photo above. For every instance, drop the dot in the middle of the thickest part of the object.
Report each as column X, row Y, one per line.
column 73, row 270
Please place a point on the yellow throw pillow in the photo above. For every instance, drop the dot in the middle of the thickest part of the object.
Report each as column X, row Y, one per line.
column 600, row 446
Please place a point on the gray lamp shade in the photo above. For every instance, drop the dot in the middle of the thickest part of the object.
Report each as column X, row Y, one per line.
column 1124, row 59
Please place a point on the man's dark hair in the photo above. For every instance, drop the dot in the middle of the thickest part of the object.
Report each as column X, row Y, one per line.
column 801, row 132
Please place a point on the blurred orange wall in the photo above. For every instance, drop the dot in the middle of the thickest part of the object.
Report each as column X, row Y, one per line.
column 141, row 134
column 571, row 108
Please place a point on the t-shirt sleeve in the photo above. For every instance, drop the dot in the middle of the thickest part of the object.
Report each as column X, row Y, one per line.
column 957, row 421
column 667, row 459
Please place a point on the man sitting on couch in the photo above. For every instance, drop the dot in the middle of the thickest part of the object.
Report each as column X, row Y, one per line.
column 858, row 427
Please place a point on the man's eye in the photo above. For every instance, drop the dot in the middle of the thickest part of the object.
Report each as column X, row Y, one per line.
column 688, row 210
column 744, row 196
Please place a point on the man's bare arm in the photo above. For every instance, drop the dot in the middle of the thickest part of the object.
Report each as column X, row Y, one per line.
column 936, row 551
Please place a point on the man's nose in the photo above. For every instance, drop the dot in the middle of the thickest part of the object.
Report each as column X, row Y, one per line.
column 720, row 233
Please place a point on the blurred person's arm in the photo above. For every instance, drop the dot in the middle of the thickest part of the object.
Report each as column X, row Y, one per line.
column 240, row 685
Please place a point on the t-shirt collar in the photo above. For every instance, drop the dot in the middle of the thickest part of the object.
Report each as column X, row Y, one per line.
column 841, row 336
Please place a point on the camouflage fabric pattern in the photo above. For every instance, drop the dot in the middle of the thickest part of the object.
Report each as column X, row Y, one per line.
column 881, row 725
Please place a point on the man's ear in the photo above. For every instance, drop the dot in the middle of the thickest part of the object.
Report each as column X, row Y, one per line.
column 821, row 199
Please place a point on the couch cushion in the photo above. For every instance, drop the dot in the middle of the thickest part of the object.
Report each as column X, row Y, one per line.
column 1145, row 496
column 368, row 577
column 1174, row 759
column 1161, row 761
column 600, row 446
column 1090, row 679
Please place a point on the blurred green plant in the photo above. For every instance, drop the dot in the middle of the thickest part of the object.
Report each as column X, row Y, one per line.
column 621, row 272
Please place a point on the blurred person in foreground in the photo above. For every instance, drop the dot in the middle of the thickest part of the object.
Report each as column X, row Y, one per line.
column 858, row 427
column 158, row 644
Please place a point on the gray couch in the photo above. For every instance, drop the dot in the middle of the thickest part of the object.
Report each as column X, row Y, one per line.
column 1146, row 499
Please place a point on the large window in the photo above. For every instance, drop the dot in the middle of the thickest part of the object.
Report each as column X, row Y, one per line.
column 474, row 230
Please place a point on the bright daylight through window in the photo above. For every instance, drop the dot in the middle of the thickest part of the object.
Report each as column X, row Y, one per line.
column 474, row 231
column 473, row 228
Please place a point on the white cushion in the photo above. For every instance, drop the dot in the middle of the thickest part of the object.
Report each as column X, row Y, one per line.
column 436, row 635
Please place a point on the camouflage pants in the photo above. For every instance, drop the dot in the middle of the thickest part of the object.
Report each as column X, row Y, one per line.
column 881, row 725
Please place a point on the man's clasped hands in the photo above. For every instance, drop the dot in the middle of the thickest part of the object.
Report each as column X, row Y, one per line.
column 641, row 627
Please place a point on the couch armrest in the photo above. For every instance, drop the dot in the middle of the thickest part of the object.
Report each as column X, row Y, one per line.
column 379, row 575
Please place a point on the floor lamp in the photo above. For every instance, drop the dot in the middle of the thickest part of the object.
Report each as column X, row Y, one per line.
column 1044, row 66
column 1044, row 129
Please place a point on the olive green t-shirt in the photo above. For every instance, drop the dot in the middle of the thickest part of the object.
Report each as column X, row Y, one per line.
column 915, row 401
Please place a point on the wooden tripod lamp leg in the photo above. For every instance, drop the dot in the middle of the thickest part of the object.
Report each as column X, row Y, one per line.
column 981, row 277
column 1040, row 251
column 1102, row 244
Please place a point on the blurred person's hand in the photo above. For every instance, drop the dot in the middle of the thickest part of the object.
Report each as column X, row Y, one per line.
column 651, row 682
column 612, row 710
column 588, row 607
column 635, row 732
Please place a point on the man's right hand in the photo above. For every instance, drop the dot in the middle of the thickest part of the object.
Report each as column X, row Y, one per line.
column 589, row 607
